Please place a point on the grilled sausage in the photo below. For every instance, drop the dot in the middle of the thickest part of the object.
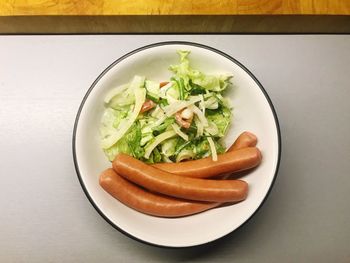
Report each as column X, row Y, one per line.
column 245, row 139
column 148, row 202
column 233, row 161
column 166, row 183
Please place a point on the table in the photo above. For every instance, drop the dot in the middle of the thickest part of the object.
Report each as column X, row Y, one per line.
column 185, row 7
column 184, row 16
column 45, row 216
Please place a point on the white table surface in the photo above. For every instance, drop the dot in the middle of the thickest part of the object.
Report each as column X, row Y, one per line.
column 45, row 216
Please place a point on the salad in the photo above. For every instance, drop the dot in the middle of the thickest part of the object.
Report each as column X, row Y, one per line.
column 179, row 119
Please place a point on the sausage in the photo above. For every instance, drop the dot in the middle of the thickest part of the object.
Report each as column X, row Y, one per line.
column 166, row 183
column 245, row 139
column 234, row 161
column 147, row 202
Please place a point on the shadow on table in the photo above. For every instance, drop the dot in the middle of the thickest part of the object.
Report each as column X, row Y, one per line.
column 229, row 243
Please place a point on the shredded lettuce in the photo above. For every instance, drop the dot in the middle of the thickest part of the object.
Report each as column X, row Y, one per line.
column 206, row 81
column 157, row 140
column 200, row 115
column 178, row 105
column 202, row 148
column 169, row 147
column 177, row 129
column 212, row 149
column 164, row 126
column 129, row 145
column 140, row 94
column 114, row 92
column 185, row 154
column 221, row 119
column 163, row 132
column 200, row 127
column 153, row 90
column 110, row 121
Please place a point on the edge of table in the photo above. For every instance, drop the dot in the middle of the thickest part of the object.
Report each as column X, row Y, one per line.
column 57, row 24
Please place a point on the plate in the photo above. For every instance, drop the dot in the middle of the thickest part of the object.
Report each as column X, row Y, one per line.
column 253, row 111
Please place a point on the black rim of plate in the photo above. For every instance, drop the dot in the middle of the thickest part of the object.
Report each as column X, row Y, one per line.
column 152, row 46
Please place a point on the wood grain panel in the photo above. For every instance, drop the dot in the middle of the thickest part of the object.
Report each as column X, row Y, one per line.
column 325, row 7
column 260, row 7
column 291, row 7
column 172, row 7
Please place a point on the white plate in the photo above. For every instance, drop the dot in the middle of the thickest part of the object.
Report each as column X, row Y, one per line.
column 253, row 111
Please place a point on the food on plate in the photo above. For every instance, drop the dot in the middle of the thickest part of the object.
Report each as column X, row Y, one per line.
column 245, row 139
column 148, row 202
column 164, row 139
column 232, row 161
column 154, row 194
column 182, row 118
column 170, row 184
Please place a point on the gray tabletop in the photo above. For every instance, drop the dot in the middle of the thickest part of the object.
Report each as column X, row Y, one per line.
column 45, row 216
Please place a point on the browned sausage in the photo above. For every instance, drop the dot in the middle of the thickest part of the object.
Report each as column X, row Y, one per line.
column 148, row 202
column 166, row 183
column 233, row 161
column 245, row 139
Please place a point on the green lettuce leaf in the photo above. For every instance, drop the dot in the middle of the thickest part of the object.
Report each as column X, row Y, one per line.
column 221, row 118
column 191, row 76
column 129, row 144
